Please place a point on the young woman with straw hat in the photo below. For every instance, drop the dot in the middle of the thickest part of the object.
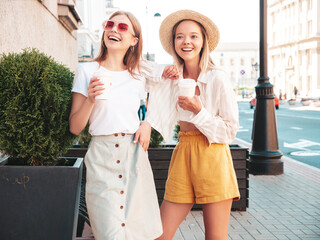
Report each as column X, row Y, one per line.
column 120, row 190
column 201, row 169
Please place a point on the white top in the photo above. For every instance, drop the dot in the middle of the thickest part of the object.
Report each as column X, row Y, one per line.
column 119, row 113
column 218, row 119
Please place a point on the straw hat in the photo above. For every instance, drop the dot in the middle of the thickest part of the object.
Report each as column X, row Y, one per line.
column 169, row 22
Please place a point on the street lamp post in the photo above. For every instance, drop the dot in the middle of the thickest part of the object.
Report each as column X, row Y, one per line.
column 265, row 156
column 256, row 68
column 148, row 56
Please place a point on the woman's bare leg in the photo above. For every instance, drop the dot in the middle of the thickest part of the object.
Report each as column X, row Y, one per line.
column 216, row 219
column 172, row 215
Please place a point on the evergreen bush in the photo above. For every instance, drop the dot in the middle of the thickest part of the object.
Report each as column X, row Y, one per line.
column 35, row 102
column 84, row 137
column 176, row 133
column 155, row 139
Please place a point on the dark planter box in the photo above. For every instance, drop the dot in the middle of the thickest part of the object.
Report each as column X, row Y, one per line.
column 39, row 202
column 160, row 160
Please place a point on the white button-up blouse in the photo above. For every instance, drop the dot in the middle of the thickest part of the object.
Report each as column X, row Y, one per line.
column 218, row 118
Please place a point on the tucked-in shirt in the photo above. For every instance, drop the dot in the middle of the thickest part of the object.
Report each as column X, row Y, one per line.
column 119, row 112
column 218, row 119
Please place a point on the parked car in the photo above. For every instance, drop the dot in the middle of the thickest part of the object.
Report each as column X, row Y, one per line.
column 253, row 102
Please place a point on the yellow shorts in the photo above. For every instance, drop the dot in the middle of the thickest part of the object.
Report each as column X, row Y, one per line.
column 199, row 173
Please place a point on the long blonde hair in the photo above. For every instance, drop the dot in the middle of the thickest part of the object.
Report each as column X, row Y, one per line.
column 133, row 55
column 206, row 62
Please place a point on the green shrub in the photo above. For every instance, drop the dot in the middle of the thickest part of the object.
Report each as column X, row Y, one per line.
column 155, row 139
column 176, row 133
column 84, row 137
column 35, row 102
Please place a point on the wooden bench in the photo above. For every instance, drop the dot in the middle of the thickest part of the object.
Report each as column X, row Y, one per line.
column 160, row 160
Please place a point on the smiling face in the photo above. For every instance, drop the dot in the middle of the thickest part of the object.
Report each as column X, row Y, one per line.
column 117, row 39
column 188, row 41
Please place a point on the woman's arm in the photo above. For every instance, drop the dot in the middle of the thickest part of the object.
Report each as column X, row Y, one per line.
column 220, row 128
column 155, row 73
column 80, row 113
column 159, row 85
column 143, row 135
column 82, row 106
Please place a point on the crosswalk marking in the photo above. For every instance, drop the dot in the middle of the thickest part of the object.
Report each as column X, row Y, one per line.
column 302, row 144
column 296, row 128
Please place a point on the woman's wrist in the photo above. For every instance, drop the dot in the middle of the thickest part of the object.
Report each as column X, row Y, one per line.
column 197, row 109
column 89, row 102
column 145, row 123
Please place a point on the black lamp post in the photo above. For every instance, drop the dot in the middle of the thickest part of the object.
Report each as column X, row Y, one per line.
column 256, row 68
column 148, row 57
column 265, row 156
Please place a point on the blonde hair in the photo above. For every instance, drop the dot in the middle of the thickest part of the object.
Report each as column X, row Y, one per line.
column 133, row 55
column 206, row 62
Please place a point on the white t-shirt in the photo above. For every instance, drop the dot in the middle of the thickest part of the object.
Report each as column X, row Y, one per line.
column 119, row 113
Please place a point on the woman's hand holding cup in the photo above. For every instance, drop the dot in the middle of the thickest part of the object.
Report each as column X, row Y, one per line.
column 191, row 104
column 95, row 88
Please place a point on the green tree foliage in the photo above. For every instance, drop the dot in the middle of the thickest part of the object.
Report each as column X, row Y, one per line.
column 155, row 139
column 35, row 102
column 176, row 133
column 84, row 137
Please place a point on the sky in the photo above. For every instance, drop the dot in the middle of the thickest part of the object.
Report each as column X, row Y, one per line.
column 237, row 20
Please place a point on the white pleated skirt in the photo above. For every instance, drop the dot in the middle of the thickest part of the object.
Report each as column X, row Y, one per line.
column 120, row 191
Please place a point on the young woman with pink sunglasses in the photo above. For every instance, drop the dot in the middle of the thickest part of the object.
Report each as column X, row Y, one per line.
column 120, row 191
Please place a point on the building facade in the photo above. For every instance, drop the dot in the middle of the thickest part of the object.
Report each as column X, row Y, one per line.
column 239, row 60
column 93, row 14
column 48, row 25
column 294, row 46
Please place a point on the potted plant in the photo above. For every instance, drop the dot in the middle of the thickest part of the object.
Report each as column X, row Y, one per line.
column 39, row 188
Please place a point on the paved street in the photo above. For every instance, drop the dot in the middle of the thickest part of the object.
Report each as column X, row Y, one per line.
column 298, row 131
column 280, row 207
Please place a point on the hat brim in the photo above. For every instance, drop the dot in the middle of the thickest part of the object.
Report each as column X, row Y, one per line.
column 170, row 21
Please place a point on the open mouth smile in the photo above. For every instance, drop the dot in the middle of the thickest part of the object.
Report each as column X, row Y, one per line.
column 186, row 49
column 114, row 38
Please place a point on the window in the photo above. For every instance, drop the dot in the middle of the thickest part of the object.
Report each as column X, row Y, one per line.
column 309, row 4
column 273, row 18
column 231, row 61
column 293, row 32
column 290, row 61
column 309, row 57
column 309, row 86
column 309, row 28
column 253, row 74
column 221, row 61
column 242, row 62
column 300, row 58
column 300, row 30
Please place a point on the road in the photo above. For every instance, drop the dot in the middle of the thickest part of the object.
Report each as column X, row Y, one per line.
column 298, row 131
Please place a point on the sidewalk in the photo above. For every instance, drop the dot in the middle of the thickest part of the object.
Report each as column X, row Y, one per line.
column 286, row 206
column 280, row 207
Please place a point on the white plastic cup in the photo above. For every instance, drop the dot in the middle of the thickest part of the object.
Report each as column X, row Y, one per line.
column 187, row 88
column 105, row 78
